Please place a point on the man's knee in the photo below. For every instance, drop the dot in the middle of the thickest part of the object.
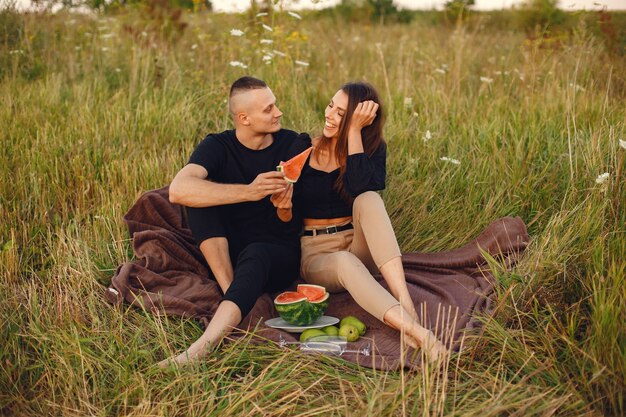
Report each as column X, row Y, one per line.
column 205, row 223
column 256, row 253
column 369, row 200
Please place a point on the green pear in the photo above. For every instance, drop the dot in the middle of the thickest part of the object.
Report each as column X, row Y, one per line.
column 350, row 332
column 331, row 330
column 311, row 333
column 355, row 322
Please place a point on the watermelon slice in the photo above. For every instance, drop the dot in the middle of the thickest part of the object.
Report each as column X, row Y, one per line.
column 298, row 308
column 293, row 167
column 312, row 292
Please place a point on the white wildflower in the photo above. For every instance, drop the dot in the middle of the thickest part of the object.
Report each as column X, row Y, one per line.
column 280, row 53
column 16, row 51
column 118, row 70
column 408, row 102
column 486, row 80
column 144, row 33
column 576, row 87
column 301, row 63
column 267, row 58
column 194, row 46
column 295, row 15
column 440, row 71
column 262, row 14
column 269, row 29
column 236, row 32
column 238, row 64
column 266, row 41
column 451, row 160
column 415, row 114
column 427, row 136
column 602, row 178
column 622, row 143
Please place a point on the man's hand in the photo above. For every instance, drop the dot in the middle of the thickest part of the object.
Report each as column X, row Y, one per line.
column 283, row 203
column 267, row 183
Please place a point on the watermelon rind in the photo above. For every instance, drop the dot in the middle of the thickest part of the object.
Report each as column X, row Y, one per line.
column 321, row 305
column 280, row 168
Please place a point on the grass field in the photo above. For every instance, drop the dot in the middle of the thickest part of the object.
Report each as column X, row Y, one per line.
column 94, row 111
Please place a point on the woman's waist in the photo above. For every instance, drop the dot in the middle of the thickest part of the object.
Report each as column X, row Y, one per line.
column 310, row 224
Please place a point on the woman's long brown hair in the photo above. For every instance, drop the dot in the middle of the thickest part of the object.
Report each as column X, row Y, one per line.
column 371, row 135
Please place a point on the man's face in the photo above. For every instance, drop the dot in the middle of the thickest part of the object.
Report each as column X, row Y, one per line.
column 262, row 115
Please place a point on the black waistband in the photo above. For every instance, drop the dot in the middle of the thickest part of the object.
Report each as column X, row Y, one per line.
column 329, row 230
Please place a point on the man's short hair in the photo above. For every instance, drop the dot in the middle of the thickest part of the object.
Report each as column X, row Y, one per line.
column 245, row 84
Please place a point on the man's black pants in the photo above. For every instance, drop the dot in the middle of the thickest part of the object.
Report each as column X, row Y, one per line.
column 258, row 267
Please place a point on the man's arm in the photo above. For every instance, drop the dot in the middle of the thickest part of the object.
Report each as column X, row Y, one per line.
column 191, row 188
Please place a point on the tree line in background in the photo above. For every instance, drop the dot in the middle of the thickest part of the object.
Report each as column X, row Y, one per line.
column 539, row 19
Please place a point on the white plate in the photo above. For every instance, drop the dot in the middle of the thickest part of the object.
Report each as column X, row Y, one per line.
column 279, row 323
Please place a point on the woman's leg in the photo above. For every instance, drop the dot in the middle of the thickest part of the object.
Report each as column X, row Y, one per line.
column 375, row 243
column 343, row 270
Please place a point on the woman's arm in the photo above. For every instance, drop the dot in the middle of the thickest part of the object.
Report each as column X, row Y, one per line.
column 364, row 172
column 364, row 114
column 282, row 202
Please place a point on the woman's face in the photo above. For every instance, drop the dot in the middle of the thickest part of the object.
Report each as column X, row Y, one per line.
column 334, row 113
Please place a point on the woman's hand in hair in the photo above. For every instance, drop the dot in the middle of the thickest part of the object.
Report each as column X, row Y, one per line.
column 364, row 114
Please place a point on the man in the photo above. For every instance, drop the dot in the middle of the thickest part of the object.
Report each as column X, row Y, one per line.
column 231, row 189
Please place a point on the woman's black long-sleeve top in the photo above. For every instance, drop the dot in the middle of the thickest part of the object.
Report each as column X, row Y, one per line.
column 315, row 196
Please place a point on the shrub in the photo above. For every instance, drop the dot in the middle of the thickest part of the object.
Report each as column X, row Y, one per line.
column 541, row 16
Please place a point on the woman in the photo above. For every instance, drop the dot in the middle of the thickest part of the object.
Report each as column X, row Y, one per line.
column 347, row 231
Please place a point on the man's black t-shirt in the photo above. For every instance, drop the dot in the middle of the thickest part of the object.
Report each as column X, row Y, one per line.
column 228, row 161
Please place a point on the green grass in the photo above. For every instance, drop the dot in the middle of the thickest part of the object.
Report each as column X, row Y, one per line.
column 85, row 130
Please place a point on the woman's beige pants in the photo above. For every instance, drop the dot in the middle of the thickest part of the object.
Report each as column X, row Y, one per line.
column 347, row 259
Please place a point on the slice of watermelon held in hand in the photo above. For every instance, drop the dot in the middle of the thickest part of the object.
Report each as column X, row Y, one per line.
column 293, row 167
